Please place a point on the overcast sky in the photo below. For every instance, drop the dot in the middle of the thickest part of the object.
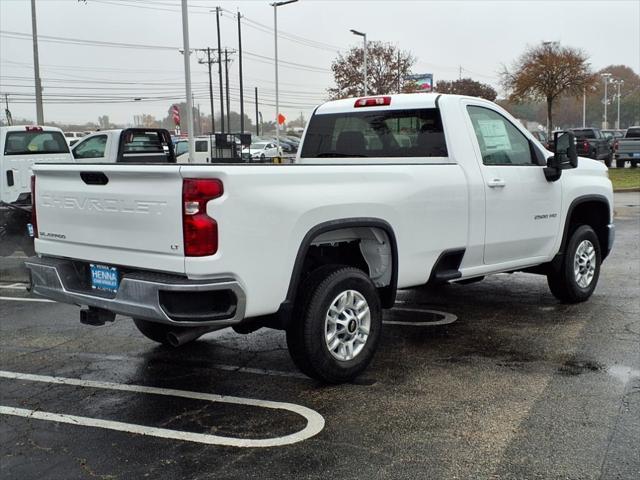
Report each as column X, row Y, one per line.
column 477, row 35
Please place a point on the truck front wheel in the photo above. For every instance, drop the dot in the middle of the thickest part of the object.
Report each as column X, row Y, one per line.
column 620, row 163
column 336, row 324
column 576, row 278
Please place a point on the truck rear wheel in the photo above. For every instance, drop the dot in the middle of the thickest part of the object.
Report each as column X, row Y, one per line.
column 634, row 164
column 336, row 324
column 577, row 277
column 620, row 163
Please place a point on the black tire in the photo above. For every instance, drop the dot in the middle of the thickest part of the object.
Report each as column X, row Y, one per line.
column 306, row 334
column 620, row 163
column 562, row 282
column 634, row 164
column 608, row 160
column 155, row 331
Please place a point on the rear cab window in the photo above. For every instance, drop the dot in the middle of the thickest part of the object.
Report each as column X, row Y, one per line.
column 633, row 133
column 584, row 133
column 381, row 134
column 146, row 146
column 35, row 143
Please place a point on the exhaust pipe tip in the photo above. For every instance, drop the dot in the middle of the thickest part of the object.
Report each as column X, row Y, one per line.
column 177, row 338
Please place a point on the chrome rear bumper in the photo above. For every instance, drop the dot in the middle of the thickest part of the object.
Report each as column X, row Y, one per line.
column 151, row 296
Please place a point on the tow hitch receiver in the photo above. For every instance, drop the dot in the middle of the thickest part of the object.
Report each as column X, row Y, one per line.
column 96, row 316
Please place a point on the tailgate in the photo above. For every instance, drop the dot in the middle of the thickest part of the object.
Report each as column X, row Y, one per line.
column 115, row 214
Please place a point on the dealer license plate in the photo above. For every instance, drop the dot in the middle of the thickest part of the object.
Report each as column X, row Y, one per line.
column 104, row 277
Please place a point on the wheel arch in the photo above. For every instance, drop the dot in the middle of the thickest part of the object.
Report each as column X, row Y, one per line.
column 387, row 293
column 593, row 210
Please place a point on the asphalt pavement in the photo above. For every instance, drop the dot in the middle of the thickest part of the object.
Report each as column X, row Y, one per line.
column 519, row 387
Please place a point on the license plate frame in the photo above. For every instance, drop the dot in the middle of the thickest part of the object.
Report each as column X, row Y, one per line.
column 105, row 278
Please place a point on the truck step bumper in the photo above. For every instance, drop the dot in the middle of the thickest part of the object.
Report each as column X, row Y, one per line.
column 162, row 298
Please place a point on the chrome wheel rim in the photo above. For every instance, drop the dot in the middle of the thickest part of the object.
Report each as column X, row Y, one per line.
column 347, row 325
column 584, row 264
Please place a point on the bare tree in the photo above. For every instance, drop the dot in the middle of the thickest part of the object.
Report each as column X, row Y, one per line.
column 547, row 72
column 467, row 86
column 387, row 69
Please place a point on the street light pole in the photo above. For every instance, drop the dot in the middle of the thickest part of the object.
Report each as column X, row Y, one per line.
column 584, row 107
column 606, row 77
column 187, row 76
column 222, row 130
column 275, row 6
column 364, row 55
column 36, row 65
column 618, row 84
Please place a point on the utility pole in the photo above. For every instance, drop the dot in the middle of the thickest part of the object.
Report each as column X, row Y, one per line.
column 220, row 71
column 241, row 82
column 7, row 112
column 187, row 75
column 257, row 120
column 364, row 48
column 36, row 65
column 275, row 6
column 460, row 72
column 213, row 120
column 226, row 74
column 606, row 77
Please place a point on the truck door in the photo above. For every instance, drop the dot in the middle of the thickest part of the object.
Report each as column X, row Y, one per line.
column 522, row 207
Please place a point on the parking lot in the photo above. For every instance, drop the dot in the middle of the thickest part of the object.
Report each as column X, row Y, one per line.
column 519, row 386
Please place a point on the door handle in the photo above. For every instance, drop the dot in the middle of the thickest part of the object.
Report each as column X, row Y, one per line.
column 496, row 183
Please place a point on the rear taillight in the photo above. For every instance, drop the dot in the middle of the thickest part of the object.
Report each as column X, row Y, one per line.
column 200, row 230
column 372, row 102
column 34, row 223
column 585, row 145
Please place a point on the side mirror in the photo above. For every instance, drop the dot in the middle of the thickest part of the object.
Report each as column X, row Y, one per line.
column 565, row 155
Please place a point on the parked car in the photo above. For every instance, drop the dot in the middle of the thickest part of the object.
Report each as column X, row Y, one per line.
column 592, row 143
column 262, row 151
column 321, row 247
column 627, row 149
column 129, row 145
column 20, row 148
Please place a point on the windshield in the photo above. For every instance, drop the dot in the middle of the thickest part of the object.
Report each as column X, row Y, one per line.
column 35, row 143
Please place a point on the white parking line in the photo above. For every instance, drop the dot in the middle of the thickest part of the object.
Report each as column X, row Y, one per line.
column 18, row 299
column 315, row 421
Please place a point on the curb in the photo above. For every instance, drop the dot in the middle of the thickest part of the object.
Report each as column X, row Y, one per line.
column 622, row 190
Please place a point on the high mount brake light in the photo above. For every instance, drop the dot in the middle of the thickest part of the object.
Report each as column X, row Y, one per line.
column 372, row 102
column 33, row 129
column 200, row 230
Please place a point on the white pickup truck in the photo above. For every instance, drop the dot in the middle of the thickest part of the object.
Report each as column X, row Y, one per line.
column 21, row 147
column 128, row 145
column 388, row 193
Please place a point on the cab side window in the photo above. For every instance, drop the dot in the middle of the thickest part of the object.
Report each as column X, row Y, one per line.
column 93, row 147
column 501, row 143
